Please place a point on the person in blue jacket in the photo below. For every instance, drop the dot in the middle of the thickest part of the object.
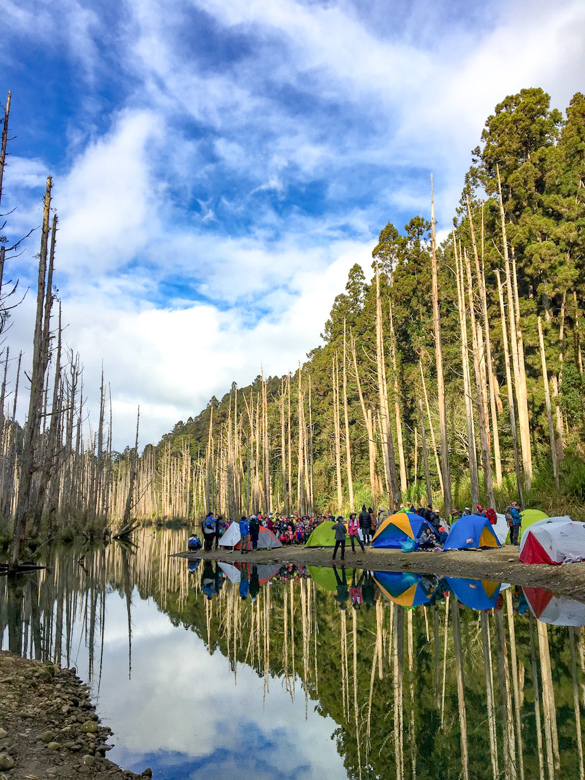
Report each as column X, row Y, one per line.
column 244, row 533
column 515, row 523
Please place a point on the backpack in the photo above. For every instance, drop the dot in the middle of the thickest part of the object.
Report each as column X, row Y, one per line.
column 254, row 525
column 508, row 515
column 209, row 526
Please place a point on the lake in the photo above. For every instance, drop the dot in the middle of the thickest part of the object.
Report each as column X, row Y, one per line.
column 214, row 670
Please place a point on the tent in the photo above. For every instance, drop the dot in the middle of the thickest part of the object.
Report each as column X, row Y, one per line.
column 231, row 537
column 555, row 610
column 471, row 531
column 537, row 523
column 530, row 516
column 501, row 528
column 476, row 594
column 399, row 527
column 266, row 540
column 553, row 541
column 322, row 535
column 324, row 576
column 231, row 572
column 405, row 588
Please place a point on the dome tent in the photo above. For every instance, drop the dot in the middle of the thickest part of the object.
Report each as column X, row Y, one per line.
column 399, row 528
column 405, row 588
column 476, row 594
column 554, row 610
column 266, row 540
column 553, row 541
column 471, row 531
column 322, row 535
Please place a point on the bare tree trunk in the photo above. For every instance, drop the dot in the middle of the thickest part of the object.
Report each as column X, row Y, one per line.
column 447, row 502
column 130, row 497
column 346, row 421
column 397, row 411
column 367, row 413
column 337, row 432
column 4, row 141
column 423, row 439
column 549, row 417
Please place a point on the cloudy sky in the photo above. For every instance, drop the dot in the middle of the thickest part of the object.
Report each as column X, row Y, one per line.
column 219, row 165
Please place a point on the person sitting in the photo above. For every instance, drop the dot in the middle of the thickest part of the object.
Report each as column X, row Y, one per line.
column 427, row 540
column 194, row 543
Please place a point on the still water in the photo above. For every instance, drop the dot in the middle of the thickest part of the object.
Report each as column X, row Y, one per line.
column 217, row 671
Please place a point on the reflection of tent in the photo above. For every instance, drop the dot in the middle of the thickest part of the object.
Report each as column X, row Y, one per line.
column 266, row 540
column 323, row 535
column 265, row 571
column 230, row 571
column 231, row 537
column 398, row 528
column 324, row 576
column 477, row 594
column 405, row 588
column 471, row 531
column 553, row 541
column 555, row 610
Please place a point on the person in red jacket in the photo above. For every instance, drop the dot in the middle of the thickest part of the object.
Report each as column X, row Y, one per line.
column 353, row 528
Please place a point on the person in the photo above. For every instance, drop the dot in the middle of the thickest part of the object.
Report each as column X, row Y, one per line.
column 194, row 543
column 514, row 520
column 373, row 521
column 466, row 511
column 353, row 528
column 244, row 533
column 254, row 526
column 426, row 540
column 208, row 527
column 340, row 534
column 218, row 530
column 491, row 515
column 481, row 511
column 365, row 524
column 244, row 582
column 355, row 591
column 208, row 579
column 382, row 515
column 368, row 589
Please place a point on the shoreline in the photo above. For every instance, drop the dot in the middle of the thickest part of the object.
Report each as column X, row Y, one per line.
column 501, row 565
column 49, row 727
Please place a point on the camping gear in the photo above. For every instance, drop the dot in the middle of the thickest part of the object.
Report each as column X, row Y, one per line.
column 405, row 588
column 266, row 540
column 530, row 516
column 408, row 545
column 501, row 528
column 398, row 528
column 554, row 610
column 322, row 535
column 559, row 519
column 231, row 537
column 471, row 531
column 553, row 541
column 476, row 594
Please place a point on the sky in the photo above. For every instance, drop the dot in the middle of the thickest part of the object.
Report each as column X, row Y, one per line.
column 220, row 165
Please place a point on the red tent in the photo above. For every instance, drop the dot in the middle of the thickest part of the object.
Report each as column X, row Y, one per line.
column 266, row 540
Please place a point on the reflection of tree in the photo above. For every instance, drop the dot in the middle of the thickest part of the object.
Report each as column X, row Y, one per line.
column 415, row 692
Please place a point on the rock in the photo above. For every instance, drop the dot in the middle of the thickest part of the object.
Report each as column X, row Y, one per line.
column 88, row 760
column 3, row 733
column 147, row 772
column 47, row 736
column 6, row 761
column 89, row 727
column 54, row 745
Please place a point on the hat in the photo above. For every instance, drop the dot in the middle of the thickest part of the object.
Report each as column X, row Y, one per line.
column 340, row 517
column 467, row 509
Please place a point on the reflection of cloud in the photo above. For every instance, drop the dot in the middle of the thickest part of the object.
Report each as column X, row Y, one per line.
column 184, row 708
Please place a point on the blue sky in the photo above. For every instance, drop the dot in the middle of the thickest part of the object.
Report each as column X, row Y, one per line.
column 219, row 165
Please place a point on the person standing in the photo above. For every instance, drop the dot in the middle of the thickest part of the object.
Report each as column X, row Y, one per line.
column 244, row 533
column 254, row 526
column 218, row 527
column 365, row 524
column 340, row 534
column 353, row 528
column 514, row 522
column 208, row 528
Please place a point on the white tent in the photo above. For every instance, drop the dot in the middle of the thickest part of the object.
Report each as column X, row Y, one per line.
column 558, row 519
column 501, row 528
column 231, row 572
column 555, row 610
column 558, row 541
column 231, row 537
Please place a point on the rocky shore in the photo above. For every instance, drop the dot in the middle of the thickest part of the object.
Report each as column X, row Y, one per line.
column 48, row 725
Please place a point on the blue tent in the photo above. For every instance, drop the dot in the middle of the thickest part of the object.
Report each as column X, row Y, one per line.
column 477, row 594
column 399, row 528
column 471, row 531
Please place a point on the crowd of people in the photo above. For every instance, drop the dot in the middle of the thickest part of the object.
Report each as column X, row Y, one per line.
column 295, row 529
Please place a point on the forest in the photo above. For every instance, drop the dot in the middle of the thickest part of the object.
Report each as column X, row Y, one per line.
column 452, row 374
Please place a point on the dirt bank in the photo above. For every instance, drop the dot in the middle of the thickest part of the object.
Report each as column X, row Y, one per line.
column 48, row 725
column 501, row 565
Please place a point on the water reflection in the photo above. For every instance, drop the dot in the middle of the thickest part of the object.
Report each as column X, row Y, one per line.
column 293, row 671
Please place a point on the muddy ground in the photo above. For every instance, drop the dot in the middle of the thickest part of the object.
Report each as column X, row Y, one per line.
column 48, row 725
column 501, row 565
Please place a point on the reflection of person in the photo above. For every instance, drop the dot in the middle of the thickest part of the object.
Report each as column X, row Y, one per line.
column 244, row 583
column 208, row 579
column 340, row 534
column 342, row 595
column 368, row 589
column 254, row 583
column 355, row 591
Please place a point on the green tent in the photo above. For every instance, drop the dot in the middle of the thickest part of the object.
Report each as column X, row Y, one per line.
column 323, row 535
column 530, row 516
column 324, row 576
